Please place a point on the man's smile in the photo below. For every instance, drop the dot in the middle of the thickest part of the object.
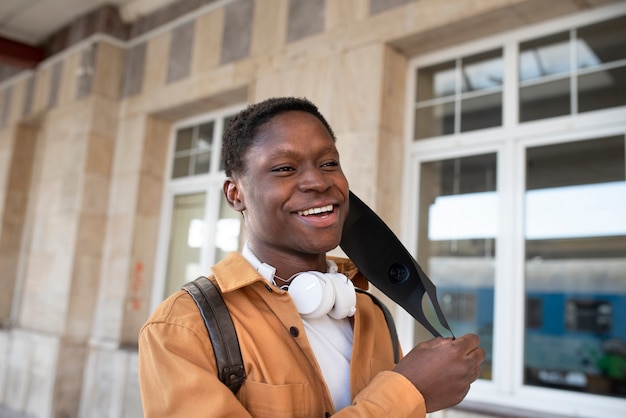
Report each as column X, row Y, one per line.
column 316, row 211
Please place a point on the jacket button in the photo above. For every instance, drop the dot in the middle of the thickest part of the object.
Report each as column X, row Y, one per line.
column 294, row 331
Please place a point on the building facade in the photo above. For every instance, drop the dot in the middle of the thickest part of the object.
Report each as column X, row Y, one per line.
column 489, row 135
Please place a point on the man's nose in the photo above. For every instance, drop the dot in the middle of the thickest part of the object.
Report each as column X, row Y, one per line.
column 315, row 179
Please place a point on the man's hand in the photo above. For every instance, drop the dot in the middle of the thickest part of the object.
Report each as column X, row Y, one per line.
column 442, row 369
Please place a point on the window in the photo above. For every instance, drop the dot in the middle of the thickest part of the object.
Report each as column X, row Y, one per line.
column 200, row 226
column 579, row 70
column 517, row 156
column 575, row 229
column 457, row 249
column 460, row 95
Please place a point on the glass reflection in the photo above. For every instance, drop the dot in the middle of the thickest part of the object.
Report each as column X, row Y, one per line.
column 187, row 237
column 575, row 263
column 456, row 243
column 544, row 56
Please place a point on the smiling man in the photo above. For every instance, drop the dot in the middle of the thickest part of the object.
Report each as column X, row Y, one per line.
column 311, row 345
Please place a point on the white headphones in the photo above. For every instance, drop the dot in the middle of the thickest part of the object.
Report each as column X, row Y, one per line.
column 316, row 294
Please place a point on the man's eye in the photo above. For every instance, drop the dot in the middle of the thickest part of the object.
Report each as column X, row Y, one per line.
column 330, row 164
column 282, row 169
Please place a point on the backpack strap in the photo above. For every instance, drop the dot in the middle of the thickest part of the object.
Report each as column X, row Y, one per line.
column 221, row 331
column 390, row 324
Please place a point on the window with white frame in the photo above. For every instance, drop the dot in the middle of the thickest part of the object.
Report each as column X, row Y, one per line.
column 516, row 176
column 198, row 225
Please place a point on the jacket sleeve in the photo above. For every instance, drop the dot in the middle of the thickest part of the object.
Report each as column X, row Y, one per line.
column 177, row 374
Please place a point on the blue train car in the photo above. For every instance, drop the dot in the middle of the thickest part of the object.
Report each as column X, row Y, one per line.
column 575, row 327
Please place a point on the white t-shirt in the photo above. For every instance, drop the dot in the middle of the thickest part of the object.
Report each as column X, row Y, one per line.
column 331, row 340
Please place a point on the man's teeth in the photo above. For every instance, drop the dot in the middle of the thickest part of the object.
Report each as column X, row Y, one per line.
column 314, row 211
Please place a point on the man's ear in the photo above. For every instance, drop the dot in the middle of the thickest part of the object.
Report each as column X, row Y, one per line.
column 233, row 194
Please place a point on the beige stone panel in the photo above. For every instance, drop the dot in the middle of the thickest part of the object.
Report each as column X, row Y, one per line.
column 111, row 297
column 69, row 77
column 13, row 213
column 90, row 234
column 42, row 89
column 391, row 142
column 341, row 13
column 129, row 146
column 357, row 89
column 150, row 196
column 111, row 384
column 357, row 152
column 31, row 372
column 18, row 95
column 84, row 290
column 156, row 147
column 9, row 263
column 207, row 41
column 269, row 29
column 311, row 79
column 119, row 232
column 156, row 62
column 5, row 344
column 99, row 155
column 45, row 293
column 429, row 28
column 393, row 97
column 6, row 153
column 124, row 189
column 69, row 377
column 109, row 71
column 180, row 99
column 72, row 121
column 104, row 116
column 427, row 14
column 137, row 305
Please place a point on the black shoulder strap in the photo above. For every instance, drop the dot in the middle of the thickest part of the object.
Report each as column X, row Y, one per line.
column 390, row 324
column 221, row 330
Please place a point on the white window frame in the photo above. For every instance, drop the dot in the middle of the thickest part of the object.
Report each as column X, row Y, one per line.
column 209, row 183
column 506, row 389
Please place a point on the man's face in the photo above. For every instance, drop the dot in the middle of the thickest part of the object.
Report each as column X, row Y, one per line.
column 294, row 192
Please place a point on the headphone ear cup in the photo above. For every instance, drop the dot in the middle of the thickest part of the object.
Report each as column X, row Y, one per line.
column 345, row 296
column 312, row 293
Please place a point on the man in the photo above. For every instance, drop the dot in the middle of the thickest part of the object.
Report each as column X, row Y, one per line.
column 303, row 357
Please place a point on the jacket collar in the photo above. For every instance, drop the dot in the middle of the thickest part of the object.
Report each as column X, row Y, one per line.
column 235, row 272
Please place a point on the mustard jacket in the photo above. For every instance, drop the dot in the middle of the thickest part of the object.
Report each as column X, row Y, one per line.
column 177, row 371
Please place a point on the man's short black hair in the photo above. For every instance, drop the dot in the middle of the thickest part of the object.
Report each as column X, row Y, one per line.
column 241, row 132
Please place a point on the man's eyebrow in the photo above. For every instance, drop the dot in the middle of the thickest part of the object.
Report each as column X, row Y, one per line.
column 292, row 152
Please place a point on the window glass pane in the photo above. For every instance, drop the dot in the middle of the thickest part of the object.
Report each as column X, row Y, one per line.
column 205, row 136
column 181, row 167
column 187, row 237
column 602, row 89
column 575, row 232
column 228, row 230
column 202, row 162
column 434, row 120
column 481, row 112
column 544, row 57
column 456, row 242
column 482, row 71
column 184, row 139
column 601, row 43
column 545, row 100
column 436, row 81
